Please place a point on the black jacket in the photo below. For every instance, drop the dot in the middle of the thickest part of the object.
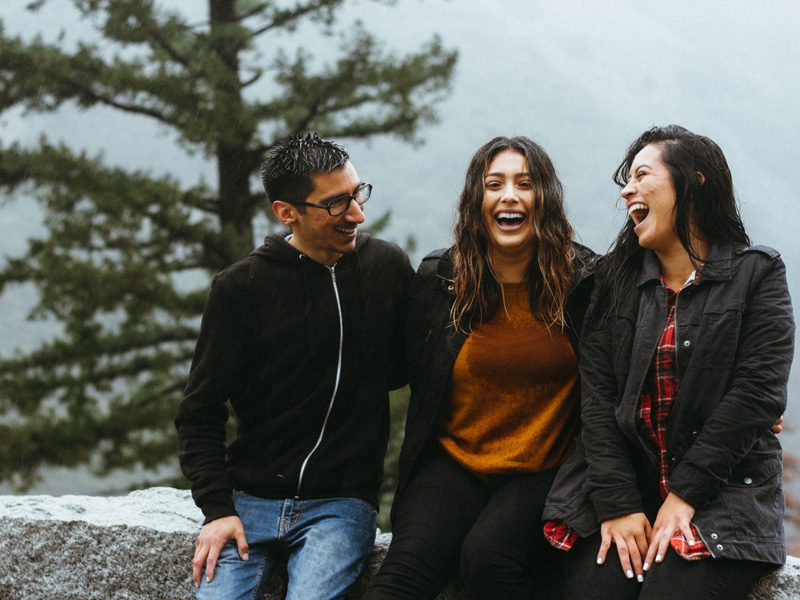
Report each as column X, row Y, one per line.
column 734, row 345
column 270, row 343
column 434, row 344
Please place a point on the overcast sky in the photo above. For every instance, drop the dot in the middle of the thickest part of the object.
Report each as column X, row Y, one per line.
column 581, row 78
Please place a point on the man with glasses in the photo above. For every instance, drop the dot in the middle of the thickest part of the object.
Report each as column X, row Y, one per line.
column 304, row 338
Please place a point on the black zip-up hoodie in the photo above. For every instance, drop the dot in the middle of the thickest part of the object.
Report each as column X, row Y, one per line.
column 308, row 395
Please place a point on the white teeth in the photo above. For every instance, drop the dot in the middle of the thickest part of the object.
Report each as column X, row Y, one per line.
column 636, row 206
column 509, row 215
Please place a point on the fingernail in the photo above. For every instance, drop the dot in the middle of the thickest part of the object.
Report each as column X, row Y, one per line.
column 646, row 566
column 245, row 556
column 658, row 558
column 208, row 579
column 599, row 560
column 691, row 542
column 640, row 578
column 629, row 574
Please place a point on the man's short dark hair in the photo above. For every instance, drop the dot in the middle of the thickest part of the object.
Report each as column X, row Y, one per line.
column 289, row 165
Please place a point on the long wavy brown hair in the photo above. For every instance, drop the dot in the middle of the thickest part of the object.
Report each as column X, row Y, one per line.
column 478, row 294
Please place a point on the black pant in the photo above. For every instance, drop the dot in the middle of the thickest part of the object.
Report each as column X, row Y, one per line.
column 450, row 521
column 674, row 578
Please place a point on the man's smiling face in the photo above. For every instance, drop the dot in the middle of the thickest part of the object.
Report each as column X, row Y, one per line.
column 315, row 232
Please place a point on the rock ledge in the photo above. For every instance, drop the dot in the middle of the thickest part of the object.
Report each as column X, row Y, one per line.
column 139, row 547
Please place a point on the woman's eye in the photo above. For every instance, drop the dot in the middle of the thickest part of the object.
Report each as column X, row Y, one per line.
column 525, row 184
column 492, row 185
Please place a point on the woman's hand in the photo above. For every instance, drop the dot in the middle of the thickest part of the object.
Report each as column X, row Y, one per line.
column 631, row 534
column 777, row 427
column 674, row 514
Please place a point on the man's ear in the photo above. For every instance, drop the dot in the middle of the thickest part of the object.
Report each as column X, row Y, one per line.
column 285, row 212
column 701, row 178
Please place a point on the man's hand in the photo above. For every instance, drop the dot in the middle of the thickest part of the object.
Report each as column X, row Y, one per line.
column 213, row 536
column 673, row 515
column 631, row 534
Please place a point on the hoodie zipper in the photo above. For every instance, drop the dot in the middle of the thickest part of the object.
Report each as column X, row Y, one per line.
column 335, row 385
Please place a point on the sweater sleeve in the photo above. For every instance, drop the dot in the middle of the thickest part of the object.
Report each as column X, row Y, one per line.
column 202, row 413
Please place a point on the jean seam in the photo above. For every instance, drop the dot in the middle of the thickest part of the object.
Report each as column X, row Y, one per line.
column 254, row 592
column 282, row 523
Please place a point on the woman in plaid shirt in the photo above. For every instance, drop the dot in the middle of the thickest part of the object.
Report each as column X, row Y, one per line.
column 684, row 365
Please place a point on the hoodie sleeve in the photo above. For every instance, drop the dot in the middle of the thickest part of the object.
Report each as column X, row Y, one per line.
column 202, row 413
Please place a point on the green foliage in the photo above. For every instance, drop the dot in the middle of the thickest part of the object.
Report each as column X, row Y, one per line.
column 121, row 245
column 398, row 406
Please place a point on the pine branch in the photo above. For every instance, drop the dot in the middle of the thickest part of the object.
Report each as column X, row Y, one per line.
column 65, row 352
column 365, row 93
column 288, row 18
column 124, row 254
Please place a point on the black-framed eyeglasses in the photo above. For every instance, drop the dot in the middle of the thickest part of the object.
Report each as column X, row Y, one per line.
column 341, row 204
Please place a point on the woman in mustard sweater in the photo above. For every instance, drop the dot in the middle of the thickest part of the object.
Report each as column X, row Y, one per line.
column 492, row 333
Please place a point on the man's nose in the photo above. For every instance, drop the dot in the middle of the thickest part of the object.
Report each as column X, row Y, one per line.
column 355, row 213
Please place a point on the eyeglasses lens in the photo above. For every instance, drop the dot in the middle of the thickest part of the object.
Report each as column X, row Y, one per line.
column 341, row 205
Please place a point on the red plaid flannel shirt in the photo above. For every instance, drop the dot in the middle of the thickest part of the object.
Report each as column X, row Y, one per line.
column 660, row 389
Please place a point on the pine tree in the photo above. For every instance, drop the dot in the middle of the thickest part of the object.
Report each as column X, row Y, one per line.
column 121, row 244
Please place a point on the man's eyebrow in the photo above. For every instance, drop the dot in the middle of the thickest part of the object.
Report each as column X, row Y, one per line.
column 335, row 196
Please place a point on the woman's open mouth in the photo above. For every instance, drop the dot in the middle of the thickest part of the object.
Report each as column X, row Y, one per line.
column 509, row 221
column 638, row 212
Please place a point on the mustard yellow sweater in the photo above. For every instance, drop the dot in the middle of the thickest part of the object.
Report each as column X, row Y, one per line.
column 513, row 394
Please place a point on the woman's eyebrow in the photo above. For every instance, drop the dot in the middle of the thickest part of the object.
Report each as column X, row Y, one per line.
column 637, row 167
column 519, row 174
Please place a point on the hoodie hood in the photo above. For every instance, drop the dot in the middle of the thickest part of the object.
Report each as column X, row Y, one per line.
column 277, row 247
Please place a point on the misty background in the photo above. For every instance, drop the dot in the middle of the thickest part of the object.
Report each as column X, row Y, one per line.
column 583, row 79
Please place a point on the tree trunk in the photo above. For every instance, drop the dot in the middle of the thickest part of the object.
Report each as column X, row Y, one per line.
column 233, row 137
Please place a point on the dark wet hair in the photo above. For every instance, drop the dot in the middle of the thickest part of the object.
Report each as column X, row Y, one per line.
column 478, row 294
column 704, row 199
column 290, row 163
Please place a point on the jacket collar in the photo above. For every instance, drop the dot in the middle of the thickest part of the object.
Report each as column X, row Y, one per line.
column 445, row 267
column 716, row 268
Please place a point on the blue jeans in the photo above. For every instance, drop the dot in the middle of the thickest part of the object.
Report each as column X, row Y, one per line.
column 324, row 542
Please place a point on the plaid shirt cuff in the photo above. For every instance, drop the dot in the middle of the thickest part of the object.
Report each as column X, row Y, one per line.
column 688, row 551
column 560, row 535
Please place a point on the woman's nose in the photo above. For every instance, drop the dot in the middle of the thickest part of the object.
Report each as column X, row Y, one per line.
column 508, row 193
column 627, row 191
